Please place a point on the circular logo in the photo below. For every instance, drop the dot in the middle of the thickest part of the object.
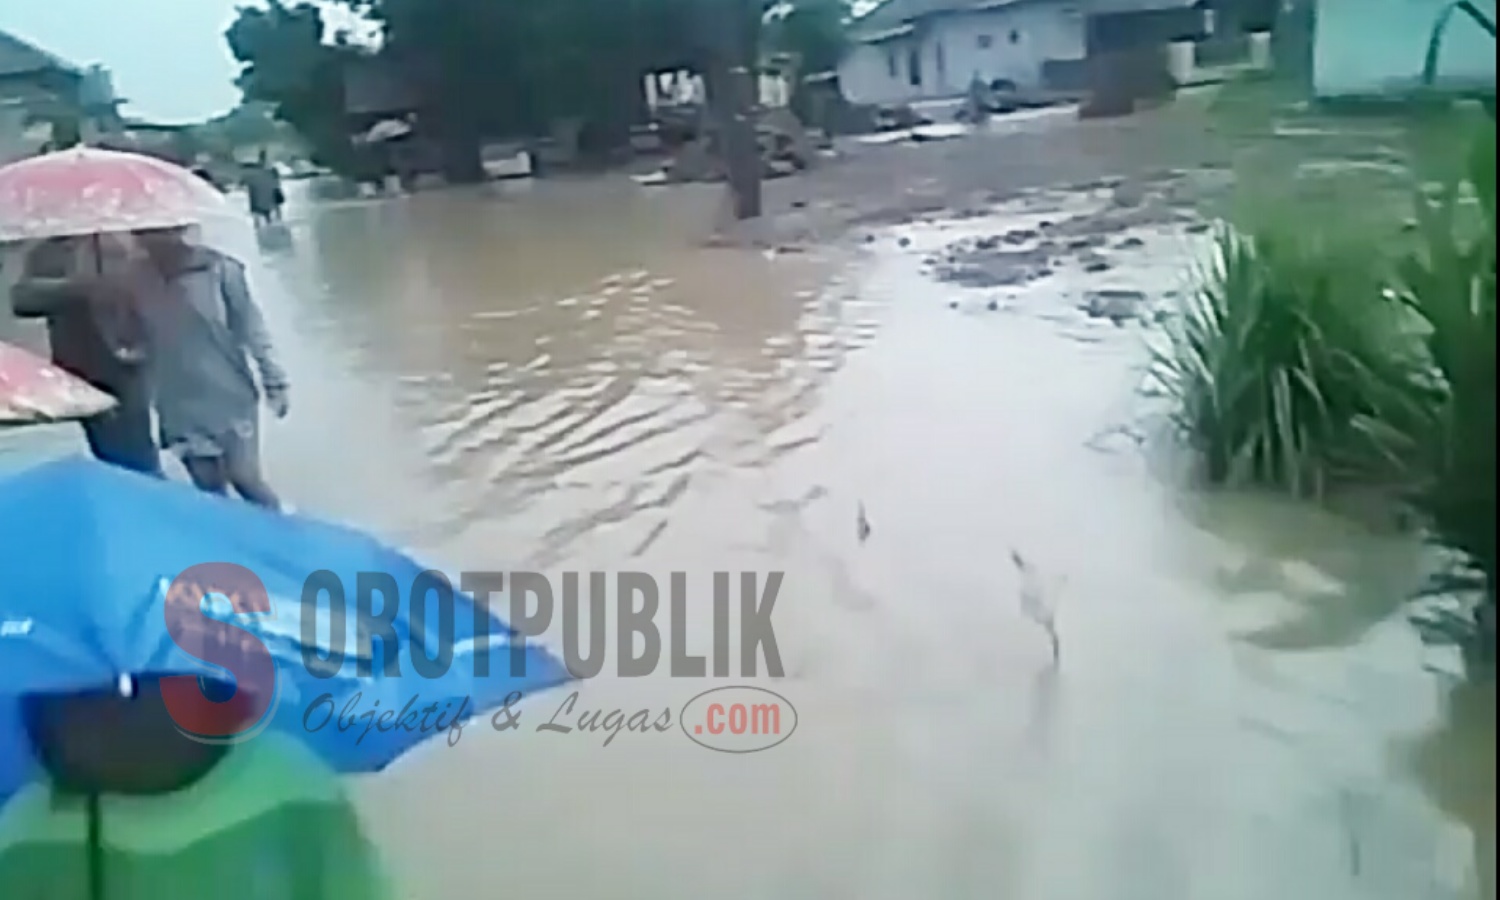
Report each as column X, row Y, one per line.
column 224, row 709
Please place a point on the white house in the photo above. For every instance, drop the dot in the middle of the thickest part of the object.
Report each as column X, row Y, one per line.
column 910, row 50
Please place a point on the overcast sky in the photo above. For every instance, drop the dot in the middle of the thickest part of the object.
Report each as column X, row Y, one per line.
column 168, row 56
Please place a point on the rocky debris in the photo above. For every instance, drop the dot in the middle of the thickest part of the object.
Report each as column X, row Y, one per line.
column 696, row 161
column 1118, row 306
column 1130, row 193
column 778, row 168
column 1130, row 243
column 1093, row 263
column 982, row 264
column 899, row 118
column 786, row 148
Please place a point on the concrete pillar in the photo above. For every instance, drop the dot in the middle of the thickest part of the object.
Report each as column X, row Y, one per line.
column 1180, row 61
column 1260, row 49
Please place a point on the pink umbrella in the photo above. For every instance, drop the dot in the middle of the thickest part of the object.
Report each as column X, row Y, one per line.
column 86, row 190
column 33, row 391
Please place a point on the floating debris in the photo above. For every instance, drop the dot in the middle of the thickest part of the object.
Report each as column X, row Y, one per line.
column 1035, row 603
column 1118, row 306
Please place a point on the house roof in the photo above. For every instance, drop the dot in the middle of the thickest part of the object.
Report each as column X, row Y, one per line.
column 896, row 18
column 19, row 57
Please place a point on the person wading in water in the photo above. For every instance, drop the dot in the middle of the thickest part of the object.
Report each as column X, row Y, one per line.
column 93, row 323
column 205, row 330
column 263, row 187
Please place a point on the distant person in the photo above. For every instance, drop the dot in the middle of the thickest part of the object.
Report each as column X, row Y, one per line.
column 263, row 187
column 96, row 332
column 205, row 331
column 978, row 101
column 262, row 818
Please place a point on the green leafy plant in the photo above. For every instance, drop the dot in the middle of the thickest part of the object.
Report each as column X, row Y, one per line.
column 1288, row 340
column 1449, row 281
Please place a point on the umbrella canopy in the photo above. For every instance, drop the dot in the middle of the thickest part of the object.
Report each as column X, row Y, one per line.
column 33, row 391
column 90, row 554
column 86, row 190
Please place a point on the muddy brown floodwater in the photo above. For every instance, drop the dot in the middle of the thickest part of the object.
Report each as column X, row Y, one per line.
column 556, row 377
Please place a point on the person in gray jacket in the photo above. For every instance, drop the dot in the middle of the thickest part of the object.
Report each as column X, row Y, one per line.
column 205, row 331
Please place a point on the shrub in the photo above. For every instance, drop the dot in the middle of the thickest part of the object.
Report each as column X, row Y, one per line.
column 1287, row 342
column 1449, row 281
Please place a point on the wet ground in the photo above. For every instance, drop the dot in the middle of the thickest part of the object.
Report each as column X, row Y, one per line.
column 559, row 377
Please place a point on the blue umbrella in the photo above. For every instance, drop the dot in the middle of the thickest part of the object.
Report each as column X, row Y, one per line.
column 88, row 553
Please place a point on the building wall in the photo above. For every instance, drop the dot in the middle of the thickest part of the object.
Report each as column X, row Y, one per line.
column 1012, row 44
column 1366, row 47
column 1009, row 44
column 14, row 142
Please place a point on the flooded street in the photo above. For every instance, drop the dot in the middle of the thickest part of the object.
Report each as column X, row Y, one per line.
column 558, row 377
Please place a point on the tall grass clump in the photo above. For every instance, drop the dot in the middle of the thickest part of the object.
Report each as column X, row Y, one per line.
column 1448, row 280
column 1287, row 342
column 1313, row 358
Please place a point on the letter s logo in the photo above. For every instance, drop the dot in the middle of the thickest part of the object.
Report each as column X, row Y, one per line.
column 221, row 644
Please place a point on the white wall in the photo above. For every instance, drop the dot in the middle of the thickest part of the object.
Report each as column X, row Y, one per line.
column 1019, row 41
column 1005, row 43
column 865, row 74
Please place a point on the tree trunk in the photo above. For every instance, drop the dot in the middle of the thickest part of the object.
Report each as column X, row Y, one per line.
column 459, row 144
column 730, row 82
column 462, row 162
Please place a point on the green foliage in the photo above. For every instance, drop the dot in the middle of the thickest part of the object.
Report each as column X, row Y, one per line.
column 513, row 67
column 1449, row 281
column 66, row 132
column 286, row 65
column 1317, row 355
column 1287, row 342
column 814, row 32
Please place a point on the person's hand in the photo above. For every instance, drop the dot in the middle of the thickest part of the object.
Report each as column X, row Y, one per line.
column 279, row 402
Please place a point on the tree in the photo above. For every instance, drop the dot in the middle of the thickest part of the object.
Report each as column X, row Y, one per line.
column 513, row 67
column 814, row 32
column 814, row 36
column 286, row 64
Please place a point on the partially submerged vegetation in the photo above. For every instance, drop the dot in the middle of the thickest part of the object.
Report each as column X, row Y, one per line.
column 1449, row 451
column 1319, row 355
